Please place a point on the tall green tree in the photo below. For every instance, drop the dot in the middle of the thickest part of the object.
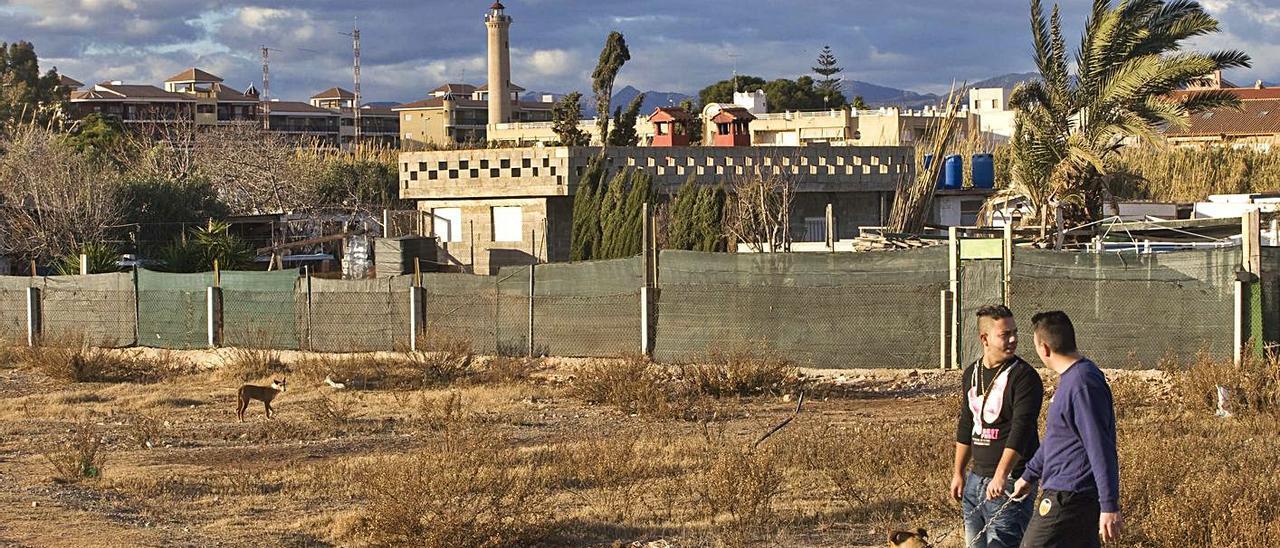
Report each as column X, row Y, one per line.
column 858, row 103
column 709, row 220
column 682, row 228
column 722, row 91
column 612, row 57
column 564, row 119
column 25, row 94
column 585, row 240
column 695, row 121
column 830, row 85
column 612, row 206
column 624, row 133
column 1129, row 63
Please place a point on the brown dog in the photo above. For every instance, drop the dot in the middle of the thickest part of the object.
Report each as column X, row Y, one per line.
column 908, row 539
column 264, row 394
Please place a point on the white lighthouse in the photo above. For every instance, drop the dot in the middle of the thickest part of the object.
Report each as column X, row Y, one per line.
column 499, row 25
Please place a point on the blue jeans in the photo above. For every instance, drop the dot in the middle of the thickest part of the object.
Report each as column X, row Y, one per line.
column 1006, row 526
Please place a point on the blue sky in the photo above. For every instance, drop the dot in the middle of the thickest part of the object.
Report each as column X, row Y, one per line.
column 411, row 46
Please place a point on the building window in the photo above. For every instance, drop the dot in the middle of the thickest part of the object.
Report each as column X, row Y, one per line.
column 408, row 117
column 969, row 212
column 507, row 223
column 447, row 222
column 815, row 229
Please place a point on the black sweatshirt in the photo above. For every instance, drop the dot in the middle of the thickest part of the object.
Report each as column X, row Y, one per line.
column 1011, row 418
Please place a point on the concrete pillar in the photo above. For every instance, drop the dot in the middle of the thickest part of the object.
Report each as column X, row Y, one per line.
column 35, row 320
column 647, row 298
column 213, row 301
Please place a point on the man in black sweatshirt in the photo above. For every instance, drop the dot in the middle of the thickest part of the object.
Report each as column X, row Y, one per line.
column 997, row 431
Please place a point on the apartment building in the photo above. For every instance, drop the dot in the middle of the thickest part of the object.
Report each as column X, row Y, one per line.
column 378, row 124
column 458, row 113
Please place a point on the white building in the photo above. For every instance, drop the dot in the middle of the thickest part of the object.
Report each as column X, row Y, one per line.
column 992, row 107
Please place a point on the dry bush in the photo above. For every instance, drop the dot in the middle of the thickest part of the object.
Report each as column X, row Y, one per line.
column 438, row 413
column 633, row 384
column 247, row 364
column 609, row 472
column 78, row 398
column 1253, row 386
column 892, row 474
column 334, row 412
column 507, row 370
column 1200, row 481
column 741, row 373
column 143, row 430
column 444, row 359
column 73, row 359
column 80, row 457
column 737, row 487
column 1131, row 393
column 462, row 490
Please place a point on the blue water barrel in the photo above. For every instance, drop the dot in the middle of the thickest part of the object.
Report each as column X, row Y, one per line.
column 928, row 161
column 953, row 172
column 984, row 171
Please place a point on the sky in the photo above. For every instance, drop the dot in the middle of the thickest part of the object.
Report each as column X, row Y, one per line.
column 411, row 46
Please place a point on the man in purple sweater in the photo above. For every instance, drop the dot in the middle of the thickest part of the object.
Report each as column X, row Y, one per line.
column 1076, row 463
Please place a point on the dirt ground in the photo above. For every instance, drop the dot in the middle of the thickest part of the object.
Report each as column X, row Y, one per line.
column 180, row 470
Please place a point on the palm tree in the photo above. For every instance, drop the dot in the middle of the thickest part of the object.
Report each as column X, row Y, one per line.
column 1129, row 63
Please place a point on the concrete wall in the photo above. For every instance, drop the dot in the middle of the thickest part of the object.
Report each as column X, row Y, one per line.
column 554, row 171
column 479, row 253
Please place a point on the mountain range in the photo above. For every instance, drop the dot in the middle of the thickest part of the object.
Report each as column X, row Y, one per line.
column 875, row 95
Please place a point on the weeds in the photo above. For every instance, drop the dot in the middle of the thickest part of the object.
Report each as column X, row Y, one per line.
column 143, row 430
column 247, row 364
column 446, row 358
column 463, row 490
column 737, row 489
column 438, row 413
column 334, row 412
column 633, row 384
column 507, row 370
column 741, row 373
column 80, row 457
column 1253, row 386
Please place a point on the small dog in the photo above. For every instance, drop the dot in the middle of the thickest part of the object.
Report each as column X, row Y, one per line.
column 908, row 539
column 264, row 394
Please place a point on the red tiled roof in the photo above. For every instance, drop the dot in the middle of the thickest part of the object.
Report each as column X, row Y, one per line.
column 438, row 102
column 108, row 91
column 334, row 93
column 1245, row 94
column 733, row 113
column 510, row 87
column 193, row 75
column 455, row 89
column 667, row 114
column 1256, row 117
column 226, row 94
column 69, row 82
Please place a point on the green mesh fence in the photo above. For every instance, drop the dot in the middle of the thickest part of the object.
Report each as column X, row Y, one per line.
column 263, row 309
column 173, row 309
column 1270, row 286
column 819, row 310
column 359, row 315
column 97, row 308
column 13, row 309
column 1129, row 310
column 460, row 306
column 588, row 309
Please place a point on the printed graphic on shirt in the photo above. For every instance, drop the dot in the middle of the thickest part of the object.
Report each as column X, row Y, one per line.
column 983, row 435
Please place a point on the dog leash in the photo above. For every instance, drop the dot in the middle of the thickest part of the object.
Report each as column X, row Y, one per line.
column 991, row 519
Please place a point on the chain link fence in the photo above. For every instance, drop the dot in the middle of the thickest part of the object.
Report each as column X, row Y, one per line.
column 829, row 310
column 359, row 315
column 263, row 309
column 173, row 309
column 100, row 309
column 1133, row 310
column 13, row 308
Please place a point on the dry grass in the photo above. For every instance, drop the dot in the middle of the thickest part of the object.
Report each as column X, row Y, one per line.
column 80, row 457
column 335, row 411
column 1253, row 386
column 1188, row 175
column 74, row 360
column 143, row 430
column 634, row 384
column 248, row 364
column 463, row 489
column 741, row 373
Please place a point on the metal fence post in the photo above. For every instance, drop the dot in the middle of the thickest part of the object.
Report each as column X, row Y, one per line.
column 35, row 323
column 1237, row 342
column 213, row 300
column 417, row 310
column 532, row 267
column 307, row 271
column 956, row 295
column 944, row 324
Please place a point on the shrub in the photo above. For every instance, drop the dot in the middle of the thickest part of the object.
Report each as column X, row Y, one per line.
column 737, row 488
column 247, row 364
column 143, row 430
column 80, row 457
column 72, row 359
column 1253, row 386
column 334, row 412
column 740, row 373
column 633, row 384
column 461, row 490
column 445, row 358
column 507, row 370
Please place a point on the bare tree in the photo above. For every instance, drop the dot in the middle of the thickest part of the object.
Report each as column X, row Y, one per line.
column 53, row 199
column 256, row 171
column 758, row 211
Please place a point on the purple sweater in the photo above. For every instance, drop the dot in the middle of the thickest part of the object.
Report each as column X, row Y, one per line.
column 1078, row 453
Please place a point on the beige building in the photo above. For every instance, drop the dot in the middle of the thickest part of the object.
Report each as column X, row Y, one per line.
column 874, row 127
column 996, row 119
column 499, row 207
column 458, row 113
column 377, row 124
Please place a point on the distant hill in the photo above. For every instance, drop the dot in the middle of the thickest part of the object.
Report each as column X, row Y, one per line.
column 621, row 98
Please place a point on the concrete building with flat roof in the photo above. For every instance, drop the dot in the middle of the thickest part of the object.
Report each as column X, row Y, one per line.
column 500, row 207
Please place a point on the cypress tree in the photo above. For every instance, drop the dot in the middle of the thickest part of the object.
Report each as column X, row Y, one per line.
column 611, row 214
column 681, row 231
column 710, row 220
column 629, row 239
column 624, row 133
column 612, row 57
column 586, row 211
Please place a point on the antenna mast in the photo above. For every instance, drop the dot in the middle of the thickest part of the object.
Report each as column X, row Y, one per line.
column 355, row 105
column 266, row 88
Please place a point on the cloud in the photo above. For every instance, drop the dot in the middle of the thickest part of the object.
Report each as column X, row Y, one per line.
column 410, row 46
